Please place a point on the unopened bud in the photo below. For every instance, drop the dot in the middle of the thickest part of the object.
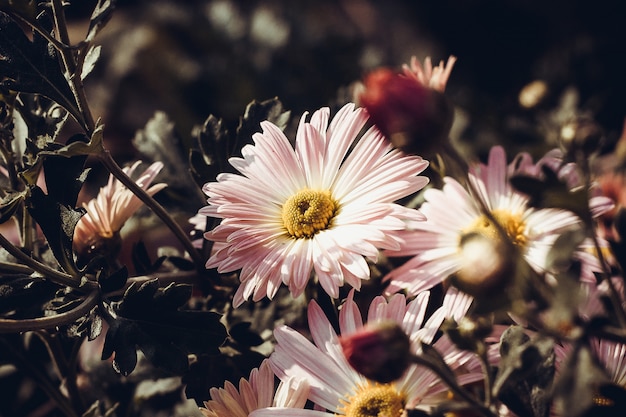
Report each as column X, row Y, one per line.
column 414, row 117
column 380, row 351
column 485, row 266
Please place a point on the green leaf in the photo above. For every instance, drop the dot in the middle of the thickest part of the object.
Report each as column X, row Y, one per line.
column 64, row 177
column 33, row 67
column 78, row 148
column 525, row 372
column 150, row 318
column 9, row 204
column 215, row 145
column 57, row 222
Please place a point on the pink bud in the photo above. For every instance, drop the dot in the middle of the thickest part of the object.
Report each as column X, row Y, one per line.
column 380, row 351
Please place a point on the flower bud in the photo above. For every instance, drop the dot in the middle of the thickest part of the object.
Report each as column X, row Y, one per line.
column 410, row 109
column 486, row 265
column 381, row 351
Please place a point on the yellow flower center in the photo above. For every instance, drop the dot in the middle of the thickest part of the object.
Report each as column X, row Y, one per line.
column 375, row 400
column 307, row 212
column 512, row 224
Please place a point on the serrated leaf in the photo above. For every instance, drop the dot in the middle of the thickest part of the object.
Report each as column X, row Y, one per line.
column 93, row 147
column 33, row 67
column 149, row 318
column 57, row 223
column 211, row 157
column 114, row 281
column 256, row 112
column 172, row 296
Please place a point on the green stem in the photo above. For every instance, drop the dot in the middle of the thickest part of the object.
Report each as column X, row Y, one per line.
column 72, row 69
column 49, row 273
column 454, row 387
column 68, row 317
column 118, row 173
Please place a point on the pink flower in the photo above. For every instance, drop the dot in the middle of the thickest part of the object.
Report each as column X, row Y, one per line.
column 336, row 387
column 254, row 393
column 435, row 78
column 452, row 214
column 112, row 207
column 320, row 207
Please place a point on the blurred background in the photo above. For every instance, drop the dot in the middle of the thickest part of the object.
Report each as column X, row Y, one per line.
column 198, row 57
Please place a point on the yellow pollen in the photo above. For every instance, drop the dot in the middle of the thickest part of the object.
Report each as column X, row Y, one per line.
column 512, row 224
column 374, row 400
column 307, row 212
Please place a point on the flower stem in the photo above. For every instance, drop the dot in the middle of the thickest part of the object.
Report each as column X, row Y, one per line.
column 118, row 173
column 68, row 317
column 51, row 274
column 454, row 387
column 72, row 70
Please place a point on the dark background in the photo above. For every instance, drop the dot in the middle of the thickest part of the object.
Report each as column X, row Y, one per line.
column 179, row 57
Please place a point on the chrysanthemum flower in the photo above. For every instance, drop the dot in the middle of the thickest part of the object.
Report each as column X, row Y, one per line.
column 452, row 214
column 254, row 393
column 320, row 206
column 429, row 76
column 112, row 207
column 336, row 387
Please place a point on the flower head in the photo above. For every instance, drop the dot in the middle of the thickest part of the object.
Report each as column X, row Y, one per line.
column 113, row 206
column 254, row 393
column 453, row 214
column 335, row 386
column 320, row 206
column 410, row 108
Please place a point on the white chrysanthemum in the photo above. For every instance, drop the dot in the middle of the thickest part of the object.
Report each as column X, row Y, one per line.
column 452, row 213
column 254, row 393
column 336, row 387
column 113, row 206
column 322, row 206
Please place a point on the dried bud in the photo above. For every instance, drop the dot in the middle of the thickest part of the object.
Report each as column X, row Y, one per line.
column 415, row 117
column 381, row 351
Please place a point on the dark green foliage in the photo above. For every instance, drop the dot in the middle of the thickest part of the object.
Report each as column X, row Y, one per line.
column 150, row 318
column 525, row 373
column 33, row 67
column 215, row 144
